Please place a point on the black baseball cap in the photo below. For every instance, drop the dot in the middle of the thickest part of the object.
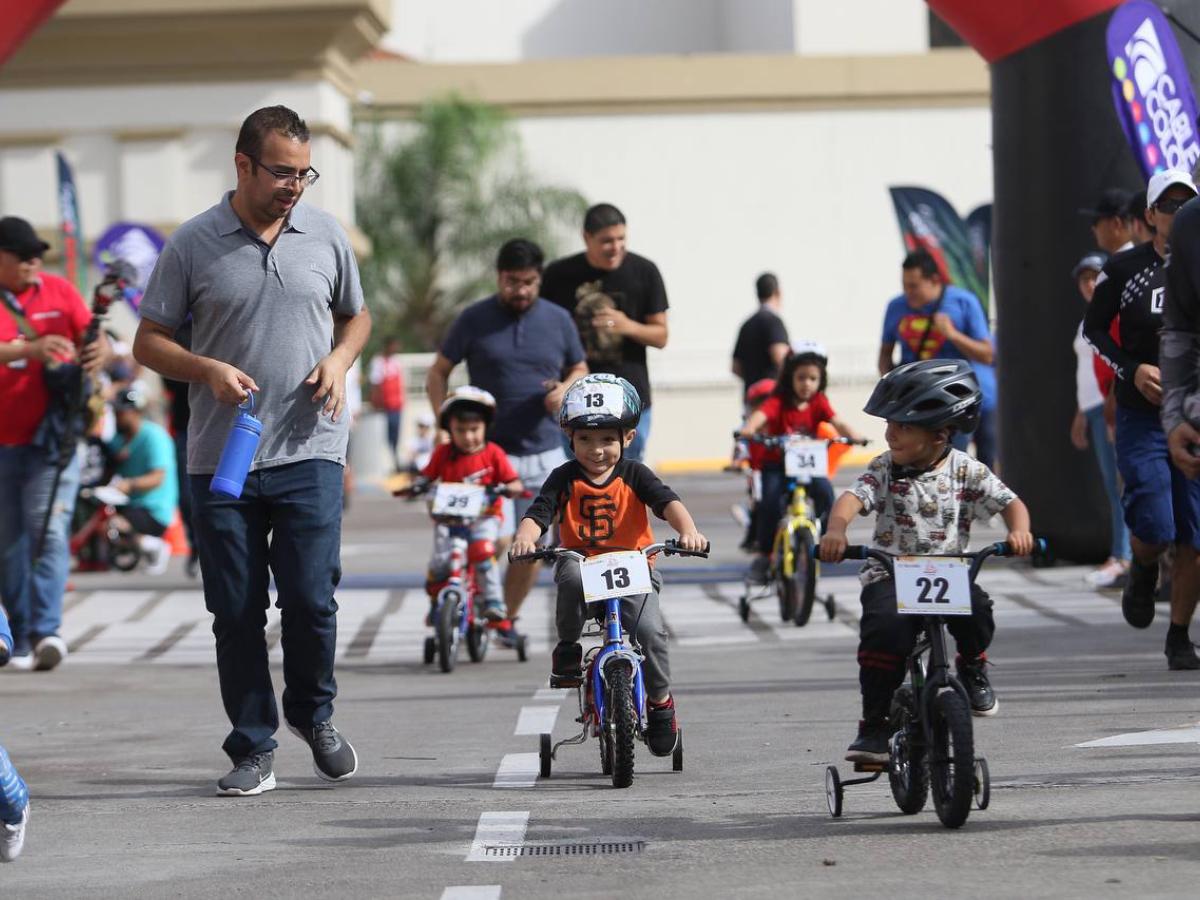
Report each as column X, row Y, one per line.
column 1113, row 202
column 17, row 236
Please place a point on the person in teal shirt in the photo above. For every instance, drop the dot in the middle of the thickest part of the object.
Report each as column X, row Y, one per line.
column 144, row 457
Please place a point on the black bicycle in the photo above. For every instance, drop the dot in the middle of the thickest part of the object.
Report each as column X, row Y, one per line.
column 933, row 746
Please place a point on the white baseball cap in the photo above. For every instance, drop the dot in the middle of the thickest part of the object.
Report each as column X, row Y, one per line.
column 1160, row 181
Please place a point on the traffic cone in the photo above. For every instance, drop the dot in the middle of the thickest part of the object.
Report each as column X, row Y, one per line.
column 177, row 537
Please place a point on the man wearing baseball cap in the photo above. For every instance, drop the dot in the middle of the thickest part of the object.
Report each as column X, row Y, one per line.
column 1161, row 506
column 42, row 319
column 1109, row 216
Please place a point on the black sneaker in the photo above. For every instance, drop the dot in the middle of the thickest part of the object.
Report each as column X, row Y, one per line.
column 249, row 776
column 1137, row 600
column 662, row 728
column 333, row 757
column 1181, row 656
column 973, row 674
column 871, row 745
column 566, row 665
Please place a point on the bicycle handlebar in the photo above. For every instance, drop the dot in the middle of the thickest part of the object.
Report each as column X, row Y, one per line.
column 773, row 441
column 423, row 486
column 1000, row 548
column 667, row 548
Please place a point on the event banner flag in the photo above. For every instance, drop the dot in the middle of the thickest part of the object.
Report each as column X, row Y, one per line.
column 74, row 253
column 1151, row 89
column 962, row 249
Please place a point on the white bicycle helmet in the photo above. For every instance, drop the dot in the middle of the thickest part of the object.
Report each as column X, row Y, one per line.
column 601, row 400
column 468, row 398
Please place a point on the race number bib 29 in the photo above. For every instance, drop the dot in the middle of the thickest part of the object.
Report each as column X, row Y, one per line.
column 457, row 499
column 806, row 459
column 623, row 574
column 599, row 400
column 931, row 586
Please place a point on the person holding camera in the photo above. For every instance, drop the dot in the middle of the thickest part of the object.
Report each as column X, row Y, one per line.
column 43, row 321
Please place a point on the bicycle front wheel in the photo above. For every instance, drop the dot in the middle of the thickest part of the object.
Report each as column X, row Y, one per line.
column 623, row 723
column 449, row 615
column 805, row 577
column 951, row 758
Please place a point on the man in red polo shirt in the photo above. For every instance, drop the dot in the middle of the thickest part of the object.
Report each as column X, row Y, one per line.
column 51, row 308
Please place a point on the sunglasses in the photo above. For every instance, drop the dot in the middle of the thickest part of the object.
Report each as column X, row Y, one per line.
column 1169, row 206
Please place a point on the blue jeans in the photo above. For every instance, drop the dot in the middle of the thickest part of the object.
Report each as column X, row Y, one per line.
column 637, row 449
column 287, row 523
column 984, row 436
column 1161, row 505
column 32, row 592
column 393, row 417
column 1106, row 457
column 775, row 498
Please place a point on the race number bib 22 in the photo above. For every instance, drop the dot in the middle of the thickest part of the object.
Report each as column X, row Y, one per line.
column 933, row 586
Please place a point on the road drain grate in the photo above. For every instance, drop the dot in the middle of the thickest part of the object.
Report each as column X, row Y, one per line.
column 593, row 848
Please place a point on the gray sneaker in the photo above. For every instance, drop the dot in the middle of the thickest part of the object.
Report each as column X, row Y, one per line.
column 12, row 837
column 250, row 776
column 333, row 757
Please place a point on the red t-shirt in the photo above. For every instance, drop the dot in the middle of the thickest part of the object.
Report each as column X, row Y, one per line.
column 489, row 466
column 52, row 307
column 787, row 419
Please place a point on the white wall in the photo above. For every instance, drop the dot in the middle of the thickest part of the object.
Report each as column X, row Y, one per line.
column 127, row 165
column 473, row 31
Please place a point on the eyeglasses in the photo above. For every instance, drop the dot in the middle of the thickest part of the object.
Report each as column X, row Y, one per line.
column 1169, row 206
column 305, row 178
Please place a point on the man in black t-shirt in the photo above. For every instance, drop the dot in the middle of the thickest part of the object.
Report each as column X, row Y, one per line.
column 619, row 303
column 1161, row 506
column 762, row 342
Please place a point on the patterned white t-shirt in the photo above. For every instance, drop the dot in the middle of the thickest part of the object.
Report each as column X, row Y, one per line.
column 930, row 513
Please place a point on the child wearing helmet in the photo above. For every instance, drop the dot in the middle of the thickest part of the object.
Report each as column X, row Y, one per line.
column 470, row 457
column 600, row 500
column 925, row 495
column 797, row 406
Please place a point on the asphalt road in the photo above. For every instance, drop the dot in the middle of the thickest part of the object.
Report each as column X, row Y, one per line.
column 121, row 749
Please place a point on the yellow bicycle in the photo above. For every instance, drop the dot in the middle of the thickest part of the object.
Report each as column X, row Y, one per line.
column 794, row 569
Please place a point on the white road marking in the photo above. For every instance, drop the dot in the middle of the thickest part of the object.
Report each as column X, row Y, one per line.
column 1181, row 734
column 551, row 695
column 536, row 720
column 517, row 770
column 498, row 829
column 472, row 892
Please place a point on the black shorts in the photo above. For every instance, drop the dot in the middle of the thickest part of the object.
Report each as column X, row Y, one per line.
column 142, row 522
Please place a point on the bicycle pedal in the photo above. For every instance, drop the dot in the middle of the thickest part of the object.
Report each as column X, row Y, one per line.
column 870, row 767
column 565, row 681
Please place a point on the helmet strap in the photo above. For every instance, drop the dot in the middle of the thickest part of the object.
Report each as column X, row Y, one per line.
column 901, row 473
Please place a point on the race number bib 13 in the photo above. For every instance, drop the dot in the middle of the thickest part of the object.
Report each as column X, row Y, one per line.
column 930, row 586
column 457, row 499
column 623, row 574
column 600, row 400
column 806, row 459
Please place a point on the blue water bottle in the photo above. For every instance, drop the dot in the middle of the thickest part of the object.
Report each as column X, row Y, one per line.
column 238, row 454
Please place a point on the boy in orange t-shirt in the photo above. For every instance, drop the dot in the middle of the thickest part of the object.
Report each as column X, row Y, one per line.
column 600, row 499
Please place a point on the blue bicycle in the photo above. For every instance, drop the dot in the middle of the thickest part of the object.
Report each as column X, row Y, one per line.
column 612, row 693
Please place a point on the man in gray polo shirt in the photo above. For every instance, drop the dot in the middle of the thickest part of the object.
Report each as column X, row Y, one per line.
column 273, row 292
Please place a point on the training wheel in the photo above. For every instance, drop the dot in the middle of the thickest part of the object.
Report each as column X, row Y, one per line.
column 677, row 755
column 830, row 607
column 430, row 650
column 545, row 755
column 833, row 791
column 744, row 608
column 983, row 784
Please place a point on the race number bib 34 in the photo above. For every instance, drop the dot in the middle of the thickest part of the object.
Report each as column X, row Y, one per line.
column 930, row 586
column 806, row 459
column 623, row 574
column 600, row 400
column 457, row 499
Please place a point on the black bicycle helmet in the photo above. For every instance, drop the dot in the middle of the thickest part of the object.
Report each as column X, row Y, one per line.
column 931, row 393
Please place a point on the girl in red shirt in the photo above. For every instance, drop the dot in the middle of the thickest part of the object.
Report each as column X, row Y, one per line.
column 797, row 406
